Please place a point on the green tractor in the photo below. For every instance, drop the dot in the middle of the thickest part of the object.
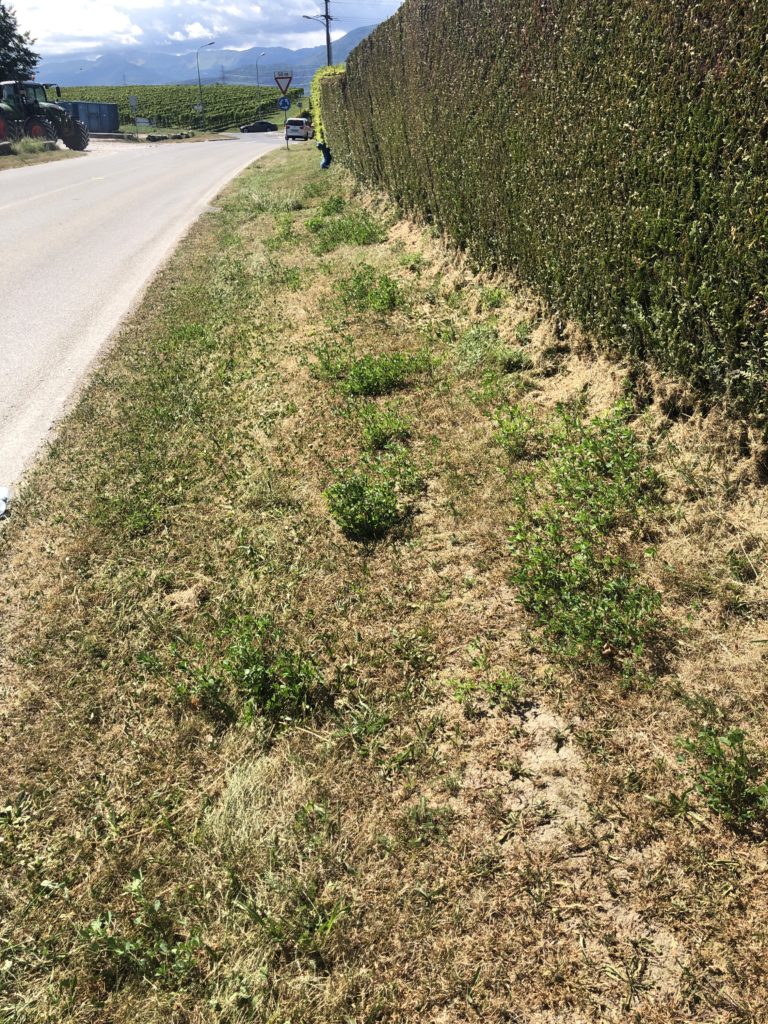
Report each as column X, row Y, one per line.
column 25, row 110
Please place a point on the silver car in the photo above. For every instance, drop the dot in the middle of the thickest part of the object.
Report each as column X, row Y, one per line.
column 299, row 128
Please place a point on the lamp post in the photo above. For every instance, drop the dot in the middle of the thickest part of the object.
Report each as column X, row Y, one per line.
column 326, row 19
column 262, row 54
column 199, row 83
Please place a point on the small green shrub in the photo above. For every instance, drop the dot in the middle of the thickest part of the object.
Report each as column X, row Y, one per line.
column 366, row 289
column 369, row 502
column 381, row 427
column 333, row 360
column 523, row 332
column 729, row 778
column 379, row 375
column 332, row 206
column 413, row 261
column 493, row 298
column 365, row 505
column 515, row 360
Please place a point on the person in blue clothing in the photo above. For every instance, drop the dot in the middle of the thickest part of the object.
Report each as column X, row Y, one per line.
column 326, row 161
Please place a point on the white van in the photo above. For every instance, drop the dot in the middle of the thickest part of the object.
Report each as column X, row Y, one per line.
column 299, row 128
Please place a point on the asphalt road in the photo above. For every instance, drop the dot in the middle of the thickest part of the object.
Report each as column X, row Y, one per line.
column 81, row 239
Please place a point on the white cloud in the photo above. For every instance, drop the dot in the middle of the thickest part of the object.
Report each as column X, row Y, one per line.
column 66, row 26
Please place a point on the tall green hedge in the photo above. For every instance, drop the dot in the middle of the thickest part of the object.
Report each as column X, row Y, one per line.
column 613, row 152
column 315, row 95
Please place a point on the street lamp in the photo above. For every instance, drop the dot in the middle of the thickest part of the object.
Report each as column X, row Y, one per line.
column 199, row 83
column 262, row 54
column 326, row 19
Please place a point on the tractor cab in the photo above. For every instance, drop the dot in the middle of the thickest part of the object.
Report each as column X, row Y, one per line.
column 25, row 109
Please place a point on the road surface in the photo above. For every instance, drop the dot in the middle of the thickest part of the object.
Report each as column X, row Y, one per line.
column 81, row 239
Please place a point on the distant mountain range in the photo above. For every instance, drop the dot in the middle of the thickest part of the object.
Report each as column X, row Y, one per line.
column 235, row 67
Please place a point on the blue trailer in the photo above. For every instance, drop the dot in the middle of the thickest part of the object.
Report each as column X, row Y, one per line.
column 101, row 118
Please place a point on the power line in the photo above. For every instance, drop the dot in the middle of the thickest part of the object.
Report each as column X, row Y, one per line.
column 326, row 18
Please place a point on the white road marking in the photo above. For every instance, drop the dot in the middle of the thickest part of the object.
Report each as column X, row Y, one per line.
column 44, row 195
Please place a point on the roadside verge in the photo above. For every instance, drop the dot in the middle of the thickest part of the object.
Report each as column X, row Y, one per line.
column 367, row 645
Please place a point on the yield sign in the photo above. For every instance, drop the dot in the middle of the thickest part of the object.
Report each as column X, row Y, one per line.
column 283, row 79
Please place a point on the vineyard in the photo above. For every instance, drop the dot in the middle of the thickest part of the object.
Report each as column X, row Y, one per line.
column 173, row 106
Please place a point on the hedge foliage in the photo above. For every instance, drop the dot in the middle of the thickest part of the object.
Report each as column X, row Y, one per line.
column 316, row 96
column 613, row 152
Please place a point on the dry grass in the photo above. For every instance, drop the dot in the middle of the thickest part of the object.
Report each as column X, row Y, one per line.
column 28, row 156
column 461, row 825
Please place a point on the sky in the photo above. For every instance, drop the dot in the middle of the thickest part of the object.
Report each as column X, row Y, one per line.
column 75, row 26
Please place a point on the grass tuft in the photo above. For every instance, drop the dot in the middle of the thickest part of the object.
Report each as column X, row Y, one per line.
column 366, row 289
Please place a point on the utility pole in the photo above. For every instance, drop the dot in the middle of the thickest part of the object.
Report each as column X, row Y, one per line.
column 199, row 83
column 326, row 19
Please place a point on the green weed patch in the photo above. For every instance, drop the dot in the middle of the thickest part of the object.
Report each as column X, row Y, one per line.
column 259, row 676
column 333, row 227
column 575, row 573
column 730, row 779
column 381, row 427
column 367, row 503
column 366, row 289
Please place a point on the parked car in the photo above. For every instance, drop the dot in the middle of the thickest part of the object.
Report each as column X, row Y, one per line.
column 259, row 126
column 299, row 128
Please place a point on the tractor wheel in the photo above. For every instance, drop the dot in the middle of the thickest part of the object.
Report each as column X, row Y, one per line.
column 40, row 128
column 78, row 138
column 9, row 130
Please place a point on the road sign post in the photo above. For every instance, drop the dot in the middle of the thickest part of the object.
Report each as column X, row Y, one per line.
column 284, row 104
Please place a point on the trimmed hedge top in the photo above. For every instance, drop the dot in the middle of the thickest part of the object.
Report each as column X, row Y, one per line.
column 612, row 152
